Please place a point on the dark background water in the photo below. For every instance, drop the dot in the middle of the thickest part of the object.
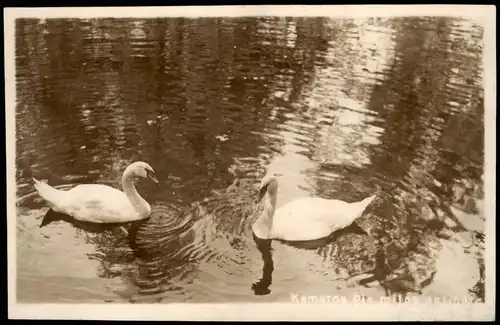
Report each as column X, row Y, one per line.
column 338, row 108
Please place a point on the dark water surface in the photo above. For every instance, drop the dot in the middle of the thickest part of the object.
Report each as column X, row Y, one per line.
column 338, row 108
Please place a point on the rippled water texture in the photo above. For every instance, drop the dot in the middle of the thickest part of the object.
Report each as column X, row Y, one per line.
column 337, row 108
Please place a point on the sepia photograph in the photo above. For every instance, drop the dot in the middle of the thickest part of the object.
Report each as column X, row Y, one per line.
column 251, row 162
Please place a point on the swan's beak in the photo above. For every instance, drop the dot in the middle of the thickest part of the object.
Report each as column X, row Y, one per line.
column 151, row 176
column 262, row 192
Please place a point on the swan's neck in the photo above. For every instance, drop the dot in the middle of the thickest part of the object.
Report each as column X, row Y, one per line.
column 140, row 205
column 264, row 224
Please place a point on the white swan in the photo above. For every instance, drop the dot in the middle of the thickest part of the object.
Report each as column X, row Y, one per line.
column 97, row 203
column 305, row 219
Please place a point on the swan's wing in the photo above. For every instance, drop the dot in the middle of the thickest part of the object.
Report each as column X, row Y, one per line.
column 310, row 209
column 310, row 218
column 99, row 203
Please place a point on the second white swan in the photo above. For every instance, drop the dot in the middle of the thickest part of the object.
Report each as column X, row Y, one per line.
column 99, row 203
column 305, row 219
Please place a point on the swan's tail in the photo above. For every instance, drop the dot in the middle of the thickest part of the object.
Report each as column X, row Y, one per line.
column 47, row 192
column 362, row 205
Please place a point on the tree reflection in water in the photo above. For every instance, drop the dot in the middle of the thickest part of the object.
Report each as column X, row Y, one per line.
column 208, row 101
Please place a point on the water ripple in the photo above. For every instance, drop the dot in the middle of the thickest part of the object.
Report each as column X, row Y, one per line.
column 338, row 108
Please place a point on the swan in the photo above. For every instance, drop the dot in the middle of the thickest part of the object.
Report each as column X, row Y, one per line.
column 305, row 219
column 97, row 203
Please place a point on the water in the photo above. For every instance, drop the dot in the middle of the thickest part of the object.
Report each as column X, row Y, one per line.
column 337, row 108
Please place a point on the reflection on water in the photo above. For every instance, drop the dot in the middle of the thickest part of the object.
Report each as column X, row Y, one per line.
column 338, row 108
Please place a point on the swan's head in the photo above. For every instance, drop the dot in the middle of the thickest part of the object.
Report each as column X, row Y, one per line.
column 141, row 169
column 268, row 185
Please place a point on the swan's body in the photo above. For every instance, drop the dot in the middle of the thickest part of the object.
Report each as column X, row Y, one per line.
column 305, row 219
column 99, row 203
